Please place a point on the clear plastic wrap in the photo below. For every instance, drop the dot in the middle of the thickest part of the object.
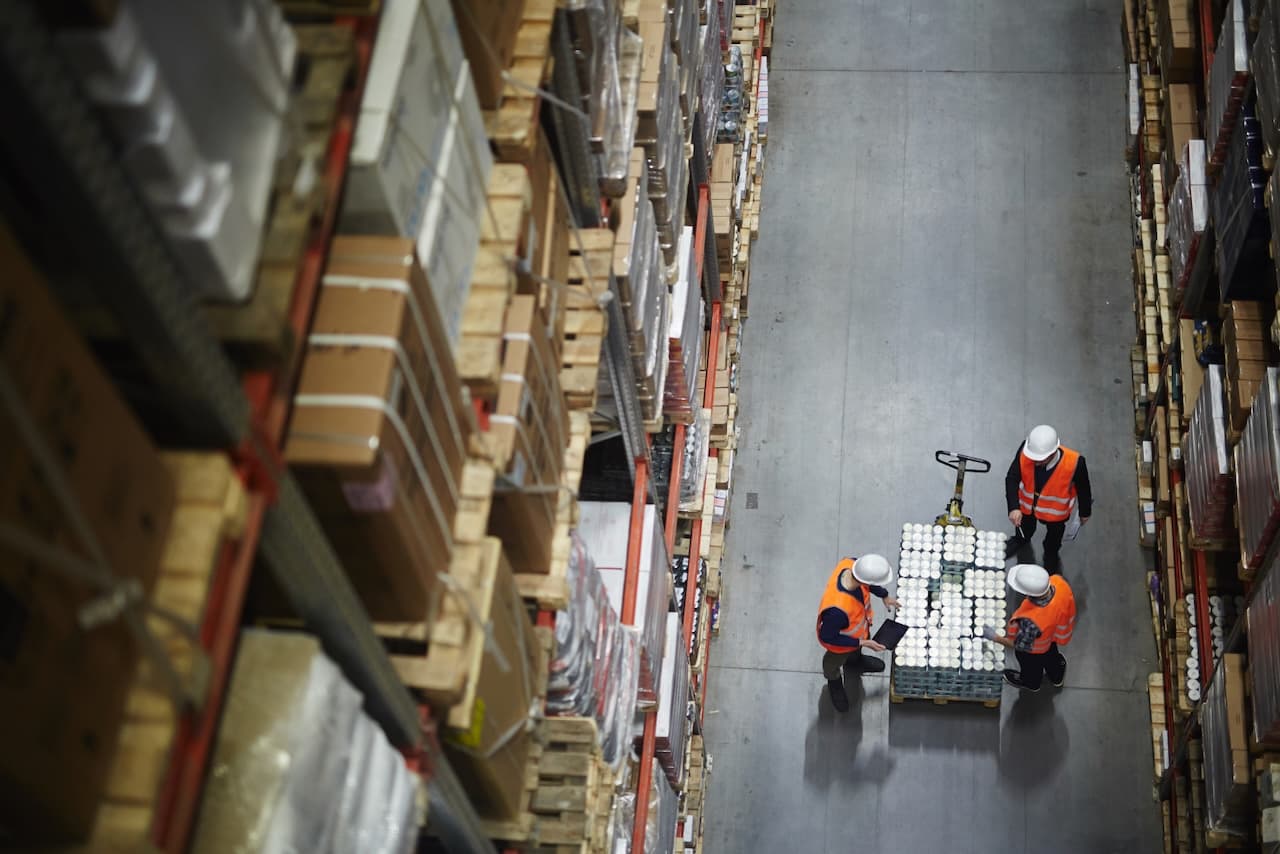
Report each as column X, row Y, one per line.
column 1209, row 485
column 297, row 765
column 1264, row 654
column 672, row 730
column 1228, row 80
column 733, row 100
column 1257, row 459
column 1240, row 225
column 615, row 84
column 712, row 83
column 1229, row 807
column 684, row 337
column 1188, row 211
column 1265, row 63
column 693, row 470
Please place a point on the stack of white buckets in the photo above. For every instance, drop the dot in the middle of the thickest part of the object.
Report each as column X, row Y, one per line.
column 951, row 583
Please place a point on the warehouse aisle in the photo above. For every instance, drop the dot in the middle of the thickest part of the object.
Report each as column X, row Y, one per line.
column 943, row 264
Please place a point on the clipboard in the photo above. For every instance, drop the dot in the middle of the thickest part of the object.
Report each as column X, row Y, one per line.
column 889, row 633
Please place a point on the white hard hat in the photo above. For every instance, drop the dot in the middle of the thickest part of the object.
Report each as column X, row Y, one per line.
column 872, row 569
column 1041, row 443
column 1029, row 579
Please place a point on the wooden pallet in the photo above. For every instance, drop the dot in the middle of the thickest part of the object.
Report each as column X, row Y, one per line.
column 568, row 793
column 586, row 323
column 493, row 281
column 211, row 508
column 895, row 697
column 257, row 333
column 513, row 127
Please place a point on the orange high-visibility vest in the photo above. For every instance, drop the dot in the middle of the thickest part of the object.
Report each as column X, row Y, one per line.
column 859, row 615
column 1055, row 501
column 1056, row 621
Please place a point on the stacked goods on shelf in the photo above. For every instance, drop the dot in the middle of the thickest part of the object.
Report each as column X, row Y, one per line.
column 680, row 577
column 711, row 82
column 595, row 659
column 590, row 259
column 1240, row 215
column 605, row 527
column 210, row 509
column 684, row 338
column 79, row 472
column 1176, row 31
column 379, row 437
column 529, row 431
column 489, row 31
column 1264, row 657
column 1187, row 684
column 693, row 798
column 1265, row 63
column 1227, row 777
column 646, row 300
column 1152, row 108
column 1257, row 467
column 1228, row 82
column 1248, row 352
column 568, row 792
column 1159, row 728
column 298, row 765
column 1188, row 214
column 504, row 668
column 1222, row 616
column 693, row 470
column 1133, row 101
column 950, row 589
column 203, row 172
column 420, row 164
column 1180, row 127
column 1207, row 464
column 660, row 128
column 673, row 724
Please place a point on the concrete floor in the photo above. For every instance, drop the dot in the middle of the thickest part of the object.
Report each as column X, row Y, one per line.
column 943, row 263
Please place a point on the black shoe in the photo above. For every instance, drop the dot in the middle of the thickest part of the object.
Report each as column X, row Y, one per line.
column 1057, row 683
column 1053, row 563
column 871, row 665
column 839, row 698
column 1012, row 546
column 1014, row 678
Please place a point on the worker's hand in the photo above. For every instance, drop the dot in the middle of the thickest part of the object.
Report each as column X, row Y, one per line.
column 1015, row 516
column 874, row 646
column 891, row 601
column 990, row 633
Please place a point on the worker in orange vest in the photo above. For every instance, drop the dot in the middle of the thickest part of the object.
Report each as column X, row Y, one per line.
column 844, row 620
column 1047, row 482
column 1043, row 622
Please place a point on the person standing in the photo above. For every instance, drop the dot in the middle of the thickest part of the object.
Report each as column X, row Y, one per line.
column 844, row 620
column 1043, row 622
column 1046, row 482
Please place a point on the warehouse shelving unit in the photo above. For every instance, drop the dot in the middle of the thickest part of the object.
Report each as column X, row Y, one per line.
column 211, row 406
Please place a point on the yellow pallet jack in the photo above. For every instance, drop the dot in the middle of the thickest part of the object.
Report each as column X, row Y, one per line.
column 961, row 463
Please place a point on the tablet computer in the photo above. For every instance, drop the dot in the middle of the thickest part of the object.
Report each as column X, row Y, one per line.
column 889, row 633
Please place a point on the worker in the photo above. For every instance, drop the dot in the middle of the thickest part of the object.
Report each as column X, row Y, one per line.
column 1047, row 482
column 844, row 621
column 1043, row 622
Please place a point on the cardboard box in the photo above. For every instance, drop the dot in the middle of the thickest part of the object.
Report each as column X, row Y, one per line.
column 488, row 29
column 530, row 430
column 379, row 431
column 65, row 687
column 490, row 756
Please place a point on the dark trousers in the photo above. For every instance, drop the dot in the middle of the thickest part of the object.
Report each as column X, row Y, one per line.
column 1052, row 537
column 1034, row 666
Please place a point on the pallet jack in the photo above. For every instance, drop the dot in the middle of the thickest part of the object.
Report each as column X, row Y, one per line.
column 961, row 463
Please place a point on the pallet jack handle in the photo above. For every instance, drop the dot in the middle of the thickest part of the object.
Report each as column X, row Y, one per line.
column 961, row 463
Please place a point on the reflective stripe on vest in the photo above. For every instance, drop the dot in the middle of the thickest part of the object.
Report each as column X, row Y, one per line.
column 1056, row 621
column 1058, row 496
column 858, row 614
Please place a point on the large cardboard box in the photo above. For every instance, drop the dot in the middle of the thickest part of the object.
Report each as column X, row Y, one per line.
column 488, row 29
column 490, row 755
column 530, row 431
column 62, row 688
column 379, row 432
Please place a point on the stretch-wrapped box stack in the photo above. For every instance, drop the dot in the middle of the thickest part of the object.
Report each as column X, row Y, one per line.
column 1264, row 654
column 1188, row 212
column 1240, row 215
column 1257, row 458
column 1229, row 807
column 1209, row 484
column 605, row 527
column 684, row 338
column 673, row 718
column 1266, row 74
column 1228, row 80
column 593, row 668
